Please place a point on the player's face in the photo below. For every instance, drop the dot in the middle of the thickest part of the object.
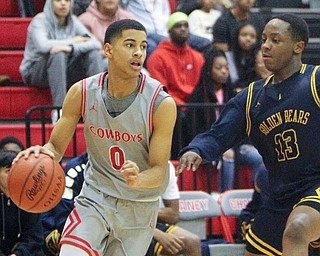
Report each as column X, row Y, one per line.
column 61, row 7
column 220, row 70
column 128, row 52
column 277, row 47
column 247, row 37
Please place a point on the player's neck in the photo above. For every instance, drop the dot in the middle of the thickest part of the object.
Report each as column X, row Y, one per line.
column 286, row 73
column 119, row 88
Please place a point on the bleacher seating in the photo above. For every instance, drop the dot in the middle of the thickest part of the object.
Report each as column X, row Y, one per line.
column 16, row 100
column 311, row 53
column 13, row 32
column 195, row 207
column 231, row 203
column 19, row 130
column 9, row 64
column 10, row 8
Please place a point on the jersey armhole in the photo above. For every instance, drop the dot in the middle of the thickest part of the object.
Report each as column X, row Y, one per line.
column 313, row 84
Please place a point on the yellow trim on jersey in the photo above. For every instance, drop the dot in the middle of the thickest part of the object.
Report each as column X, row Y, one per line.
column 303, row 68
column 248, row 104
column 268, row 79
column 314, row 86
column 315, row 199
column 257, row 246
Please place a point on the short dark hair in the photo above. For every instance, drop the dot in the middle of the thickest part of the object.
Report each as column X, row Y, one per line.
column 115, row 29
column 11, row 139
column 6, row 158
column 298, row 27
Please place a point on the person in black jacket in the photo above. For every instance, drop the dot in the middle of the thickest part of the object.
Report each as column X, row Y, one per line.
column 21, row 232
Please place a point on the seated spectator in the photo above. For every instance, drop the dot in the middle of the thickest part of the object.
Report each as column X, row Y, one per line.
column 174, row 63
column 177, row 66
column 225, row 27
column 80, row 6
column 59, row 51
column 21, row 232
column 168, row 238
column 259, row 67
column 241, row 57
column 11, row 143
column 53, row 221
column 99, row 15
column 201, row 20
column 213, row 88
column 154, row 15
column 188, row 6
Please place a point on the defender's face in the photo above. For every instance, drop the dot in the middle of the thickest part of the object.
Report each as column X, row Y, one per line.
column 128, row 52
column 277, row 47
column 61, row 7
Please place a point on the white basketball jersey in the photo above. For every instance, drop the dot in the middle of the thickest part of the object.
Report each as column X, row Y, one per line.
column 112, row 140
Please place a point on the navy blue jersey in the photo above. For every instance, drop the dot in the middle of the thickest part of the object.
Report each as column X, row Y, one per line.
column 283, row 122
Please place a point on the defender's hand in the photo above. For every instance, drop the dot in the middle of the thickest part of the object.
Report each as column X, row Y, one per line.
column 189, row 160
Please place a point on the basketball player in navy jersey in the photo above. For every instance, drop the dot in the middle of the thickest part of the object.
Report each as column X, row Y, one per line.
column 281, row 116
column 128, row 126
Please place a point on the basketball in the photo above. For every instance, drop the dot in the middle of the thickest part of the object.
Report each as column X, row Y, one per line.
column 36, row 184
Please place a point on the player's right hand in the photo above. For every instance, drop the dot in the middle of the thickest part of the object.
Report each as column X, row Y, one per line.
column 189, row 160
column 36, row 150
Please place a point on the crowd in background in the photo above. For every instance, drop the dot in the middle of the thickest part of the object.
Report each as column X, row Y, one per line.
column 203, row 51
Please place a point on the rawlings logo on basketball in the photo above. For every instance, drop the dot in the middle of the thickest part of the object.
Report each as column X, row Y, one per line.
column 39, row 182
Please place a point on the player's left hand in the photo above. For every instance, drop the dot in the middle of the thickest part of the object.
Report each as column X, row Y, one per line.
column 130, row 172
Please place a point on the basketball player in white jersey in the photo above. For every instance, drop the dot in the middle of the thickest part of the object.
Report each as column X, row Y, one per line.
column 128, row 124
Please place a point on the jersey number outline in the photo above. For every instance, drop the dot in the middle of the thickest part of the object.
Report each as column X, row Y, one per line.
column 286, row 145
column 117, row 157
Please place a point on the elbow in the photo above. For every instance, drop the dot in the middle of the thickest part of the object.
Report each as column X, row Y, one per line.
column 174, row 218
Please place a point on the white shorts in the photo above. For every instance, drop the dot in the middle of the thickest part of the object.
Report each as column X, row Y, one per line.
column 102, row 225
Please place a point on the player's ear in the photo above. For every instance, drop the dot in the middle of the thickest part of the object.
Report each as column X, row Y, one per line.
column 299, row 47
column 107, row 48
